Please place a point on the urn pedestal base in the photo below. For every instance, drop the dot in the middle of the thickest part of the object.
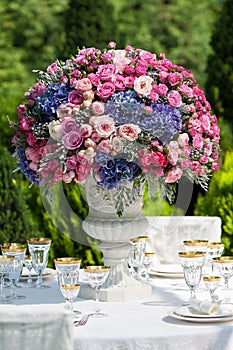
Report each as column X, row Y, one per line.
column 120, row 285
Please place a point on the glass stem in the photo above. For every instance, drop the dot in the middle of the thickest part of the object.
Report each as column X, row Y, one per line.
column 97, row 300
column 13, row 288
column 192, row 292
column 39, row 281
column 226, row 283
column 1, row 286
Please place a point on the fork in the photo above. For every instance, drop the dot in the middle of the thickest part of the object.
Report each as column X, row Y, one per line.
column 81, row 322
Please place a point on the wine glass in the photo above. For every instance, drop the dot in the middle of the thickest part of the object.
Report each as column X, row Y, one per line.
column 39, row 251
column 224, row 265
column 69, row 289
column 29, row 265
column 192, row 263
column 136, row 255
column 5, row 266
column 196, row 244
column 212, row 283
column 147, row 260
column 97, row 275
column 17, row 251
column 214, row 250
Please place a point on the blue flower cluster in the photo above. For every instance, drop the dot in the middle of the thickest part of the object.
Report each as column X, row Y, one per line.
column 24, row 165
column 163, row 123
column 115, row 172
column 51, row 99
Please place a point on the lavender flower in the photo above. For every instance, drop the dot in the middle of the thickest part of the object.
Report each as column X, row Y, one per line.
column 24, row 165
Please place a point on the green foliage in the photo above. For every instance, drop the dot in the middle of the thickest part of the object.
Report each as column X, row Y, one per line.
column 219, row 85
column 16, row 221
column 218, row 201
column 89, row 23
column 181, row 29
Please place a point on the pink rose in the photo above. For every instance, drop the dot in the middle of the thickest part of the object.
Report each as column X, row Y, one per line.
column 97, row 108
column 94, row 79
column 204, row 159
column 145, row 159
column 163, row 76
column 186, row 91
column 67, row 110
column 85, row 130
column 174, row 98
column 143, row 85
column 68, row 177
column 208, row 148
column 173, row 175
column 103, row 125
column 34, row 166
column 183, row 140
column 119, row 82
column 215, row 166
column 32, row 154
column 107, row 72
column 120, row 60
column 55, row 130
column 75, row 97
column 52, row 68
column 68, row 124
column 159, row 159
column 95, row 137
column 141, row 69
column 174, row 78
column 71, row 162
column 72, row 140
column 89, row 143
column 205, row 122
column 105, row 146
column 112, row 44
column 162, row 89
column 185, row 163
column 129, row 81
column 129, row 131
column 83, row 84
column 198, row 141
column 105, row 90
column 147, row 56
column 82, row 172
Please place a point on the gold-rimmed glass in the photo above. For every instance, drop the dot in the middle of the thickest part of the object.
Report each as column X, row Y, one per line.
column 97, row 276
column 5, row 266
column 136, row 255
column 39, row 251
column 224, row 265
column 196, row 245
column 69, row 265
column 212, row 283
column 192, row 263
column 17, row 251
column 147, row 260
column 214, row 250
column 29, row 265
column 69, row 291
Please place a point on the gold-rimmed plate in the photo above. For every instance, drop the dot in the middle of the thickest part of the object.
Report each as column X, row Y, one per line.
column 184, row 313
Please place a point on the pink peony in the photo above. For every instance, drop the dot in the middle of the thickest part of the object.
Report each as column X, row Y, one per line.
column 173, row 175
column 143, row 85
column 105, row 146
column 103, row 125
column 98, row 108
column 83, row 84
column 129, row 131
column 174, row 98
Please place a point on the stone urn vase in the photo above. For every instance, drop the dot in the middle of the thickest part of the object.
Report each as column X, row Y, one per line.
column 115, row 233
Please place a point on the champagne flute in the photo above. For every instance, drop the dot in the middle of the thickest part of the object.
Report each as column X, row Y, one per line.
column 5, row 266
column 136, row 254
column 39, row 251
column 147, row 260
column 192, row 263
column 97, row 275
column 212, row 283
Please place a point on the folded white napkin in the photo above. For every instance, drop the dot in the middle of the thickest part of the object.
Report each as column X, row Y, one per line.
column 205, row 307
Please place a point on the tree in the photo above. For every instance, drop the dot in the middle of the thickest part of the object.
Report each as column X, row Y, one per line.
column 16, row 220
column 219, row 85
column 89, row 23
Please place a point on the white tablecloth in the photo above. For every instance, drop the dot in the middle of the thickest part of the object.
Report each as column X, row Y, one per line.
column 136, row 325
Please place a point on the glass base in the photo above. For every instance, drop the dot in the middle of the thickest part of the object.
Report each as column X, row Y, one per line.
column 98, row 314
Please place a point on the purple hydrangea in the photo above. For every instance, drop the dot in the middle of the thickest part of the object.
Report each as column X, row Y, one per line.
column 24, row 165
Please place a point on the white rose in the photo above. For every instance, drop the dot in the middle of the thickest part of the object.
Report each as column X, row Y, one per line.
column 143, row 85
column 55, row 130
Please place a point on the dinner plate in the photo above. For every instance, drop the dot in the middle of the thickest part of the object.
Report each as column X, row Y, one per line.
column 47, row 272
column 167, row 271
column 184, row 314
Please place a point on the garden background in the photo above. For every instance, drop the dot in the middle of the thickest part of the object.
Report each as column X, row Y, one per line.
column 195, row 34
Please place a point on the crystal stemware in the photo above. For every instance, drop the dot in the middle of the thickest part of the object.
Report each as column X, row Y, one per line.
column 29, row 265
column 214, row 250
column 5, row 266
column 68, row 265
column 97, row 275
column 136, row 255
column 17, row 251
column 69, row 289
column 212, row 283
column 224, row 266
column 192, row 263
column 196, row 244
column 39, row 251
column 147, row 260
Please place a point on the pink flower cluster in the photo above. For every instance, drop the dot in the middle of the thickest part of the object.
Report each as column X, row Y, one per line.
column 94, row 78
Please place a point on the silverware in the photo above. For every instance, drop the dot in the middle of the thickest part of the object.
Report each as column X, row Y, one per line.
column 81, row 322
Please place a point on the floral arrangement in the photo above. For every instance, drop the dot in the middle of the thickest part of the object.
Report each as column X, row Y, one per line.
column 121, row 116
